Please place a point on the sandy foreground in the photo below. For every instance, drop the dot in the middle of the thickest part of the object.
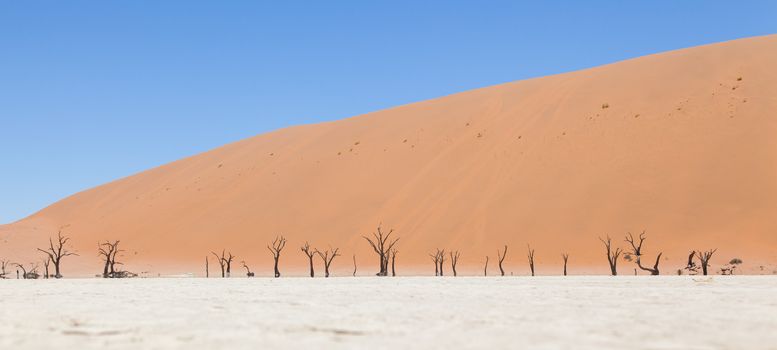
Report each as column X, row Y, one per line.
column 677, row 312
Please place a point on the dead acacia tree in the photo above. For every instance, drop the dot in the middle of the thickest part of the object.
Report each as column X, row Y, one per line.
column 565, row 256
column 530, row 256
column 354, row 265
column 501, row 256
column 107, row 251
column 277, row 247
column 225, row 262
column 31, row 274
column 393, row 253
column 454, row 260
column 207, row 269
column 309, row 253
column 58, row 251
column 637, row 253
column 248, row 270
column 382, row 244
column 485, row 269
column 435, row 259
column 705, row 257
column 442, row 261
column 690, row 266
column 612, row 255
column 328, row 256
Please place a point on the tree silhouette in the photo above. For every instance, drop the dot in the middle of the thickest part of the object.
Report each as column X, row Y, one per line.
column 309, row 253
column 637, row 252
column 58, row 251
column 612, row 255
column 277, row 247
column 327, row 256
column 530, row 256
column 565, row 256
column 382, row 245
column 501, row 256
column 705, row 257
column 454, row 260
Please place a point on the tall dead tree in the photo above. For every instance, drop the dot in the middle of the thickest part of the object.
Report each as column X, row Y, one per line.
column 436, row 259
column 530, row 256
column 107, row 251
column 637, row 252
column 248, row 270
column 501, row 256
column 354, row 265
column 328, row 256
column 454, row 260
column 442, row 262
column 309, row 253
column 222, row 262
column 207, row 270
column 485, row 269
column 705, row 257
column 393, row 262
column 277, row 247
column 58, row 251
column 565, row 256
column 612, row 255
column 382, row 244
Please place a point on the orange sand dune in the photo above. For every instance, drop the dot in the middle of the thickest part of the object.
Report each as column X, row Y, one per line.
column 682, row 144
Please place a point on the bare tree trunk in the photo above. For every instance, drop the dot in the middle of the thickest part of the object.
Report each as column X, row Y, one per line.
column 454, row 260
column 354, row 265
column 565, row 256
column 501, row 256
column 277, row 246
column 485, row 269
column 705, row 259
column 612, row 255
column 531, row 259
column 393, row 263
column 57, row 252
column 308, row 253
column 207, row 272
column 382, row 246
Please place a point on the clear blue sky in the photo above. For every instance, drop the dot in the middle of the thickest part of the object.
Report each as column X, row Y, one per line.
column 92, row 91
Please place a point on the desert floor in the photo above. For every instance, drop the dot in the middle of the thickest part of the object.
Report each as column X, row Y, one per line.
column 629, row 312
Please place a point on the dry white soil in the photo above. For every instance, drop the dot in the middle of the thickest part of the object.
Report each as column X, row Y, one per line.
column 677, row 312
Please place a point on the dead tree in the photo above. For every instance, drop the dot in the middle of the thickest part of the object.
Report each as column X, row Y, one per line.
column 277, row 247
column 107, row 251
column 382, row 245
column 454, row 260
column 57, row 252
column 327, row 256
column 612, row 255
column 501, row 256
column 306, row 250
column 637, row 252
column 485, row 269
column 222, row 262
column 354, row 265
column 565, row 256
column 31, row 274
column 705, row 257
column 530, row 256
column 207, row 271
column 442, row 261
column 248, row 270
column 393, row 262
column 436, row 259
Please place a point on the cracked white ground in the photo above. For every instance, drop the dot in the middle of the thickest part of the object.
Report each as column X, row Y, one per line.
column 592, row 312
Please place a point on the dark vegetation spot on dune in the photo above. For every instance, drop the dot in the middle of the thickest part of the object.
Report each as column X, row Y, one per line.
column 563, row 133
column 739, row 79
column 636, row 115
column 605, row 105
column 356, row 143
column 734, row 87
column 339, row 153
column 480, row 135
column 220, row 165
column 404, row 141
column 466, row 124
column 272, row 154
column 519, row 137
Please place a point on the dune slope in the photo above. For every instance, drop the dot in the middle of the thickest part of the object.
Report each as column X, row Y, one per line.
column 681, row 144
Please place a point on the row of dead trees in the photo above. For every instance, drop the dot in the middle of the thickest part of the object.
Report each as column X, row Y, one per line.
column 384, row 246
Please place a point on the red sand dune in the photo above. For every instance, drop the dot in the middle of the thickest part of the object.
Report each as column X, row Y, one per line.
column 682, row 144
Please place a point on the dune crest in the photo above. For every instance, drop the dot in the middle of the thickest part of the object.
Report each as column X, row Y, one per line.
column 680, row 144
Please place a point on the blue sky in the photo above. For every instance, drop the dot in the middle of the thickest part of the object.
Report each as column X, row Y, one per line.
column 92, row 91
